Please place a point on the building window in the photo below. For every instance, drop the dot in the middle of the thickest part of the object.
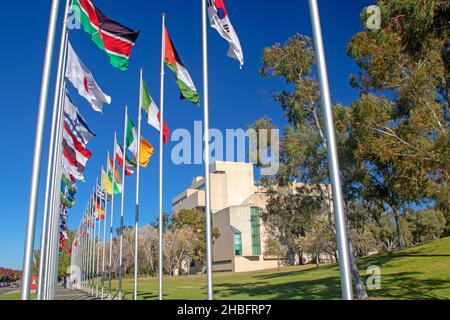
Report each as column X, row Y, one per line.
column 256, row 234
column 238, row 244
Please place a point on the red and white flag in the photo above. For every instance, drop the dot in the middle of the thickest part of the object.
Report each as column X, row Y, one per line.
column 130, row 165
column 82, row 79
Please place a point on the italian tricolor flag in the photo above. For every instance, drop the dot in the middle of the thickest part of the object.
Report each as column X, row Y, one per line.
column 154, row 116
column 110, row 36
column 183, row 78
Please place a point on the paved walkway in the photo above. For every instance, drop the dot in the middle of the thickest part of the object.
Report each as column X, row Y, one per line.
column 65, row 294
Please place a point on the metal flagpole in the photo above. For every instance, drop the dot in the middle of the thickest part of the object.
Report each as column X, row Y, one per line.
column 341, row 230
column 122, row 205
column 53, row 200
column 81, row 254
column 98, row 240
column 37, row 155
column 83, row 250
column 161, row 162
column 207, row 155
column 138, row 170
column 94, row 219
column 88, row 247
column 51, row 152
column 105, row 193
column 97, row 278
column 91, row 248
column 112, row 217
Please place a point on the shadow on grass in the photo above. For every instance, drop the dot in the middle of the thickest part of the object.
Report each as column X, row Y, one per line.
column 405, row 286
column 325, row 288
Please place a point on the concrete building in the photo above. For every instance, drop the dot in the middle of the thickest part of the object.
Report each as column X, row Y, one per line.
column 236, row 203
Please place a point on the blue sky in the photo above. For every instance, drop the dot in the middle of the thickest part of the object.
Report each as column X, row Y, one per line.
column 237, row 98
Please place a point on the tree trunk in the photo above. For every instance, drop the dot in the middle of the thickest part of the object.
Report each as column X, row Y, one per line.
column 401, row 241
column 359, row 282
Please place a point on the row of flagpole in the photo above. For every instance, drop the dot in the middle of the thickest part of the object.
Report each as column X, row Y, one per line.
column 87, row 252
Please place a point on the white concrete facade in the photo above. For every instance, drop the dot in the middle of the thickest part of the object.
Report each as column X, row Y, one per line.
column 236, row 204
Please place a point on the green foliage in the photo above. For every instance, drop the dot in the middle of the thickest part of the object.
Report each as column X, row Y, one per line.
column 65, row 256
column 426, row 225
column 400, row 134
column 291, row 216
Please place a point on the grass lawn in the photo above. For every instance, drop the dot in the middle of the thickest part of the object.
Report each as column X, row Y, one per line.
column 421, row 272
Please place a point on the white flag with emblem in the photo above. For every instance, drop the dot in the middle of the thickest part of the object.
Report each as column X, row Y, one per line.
column 220, row 21
column 84, row 82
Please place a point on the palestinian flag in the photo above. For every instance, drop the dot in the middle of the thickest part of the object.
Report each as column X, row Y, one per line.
column 130, row 165
column 110, row 36
column 183, row 78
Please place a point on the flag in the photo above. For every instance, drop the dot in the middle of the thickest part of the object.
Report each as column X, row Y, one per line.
column 182, row 76
column 100, row 192
column 146, row 153
column 132, row 144
column 75, row 148
column 116, row 40
column 116, row 177
column 66, row 174
column 154, row 116
column 82, row 79
column 88, row 221
column 76, row 122
column 106, row 183
column 99, row 202
column 219, row 19
column 70, row 165
column 69, row 184
column 130, row 165
column 68, row 192
column 67, row 202
column 131, row 136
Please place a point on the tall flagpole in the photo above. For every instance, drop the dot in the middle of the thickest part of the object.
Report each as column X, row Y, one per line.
column 138, row 170
column 98, row 240
column 122, row 205
column 51, row 152
column 49, row 251
column 93, row 248
column 111, row 226
column 88, row 249
column 85, row 241
column 161, row 162
column 83, row 230
column 341, row 230
column 105, row 193
column 207, row 155
column 37, row 155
